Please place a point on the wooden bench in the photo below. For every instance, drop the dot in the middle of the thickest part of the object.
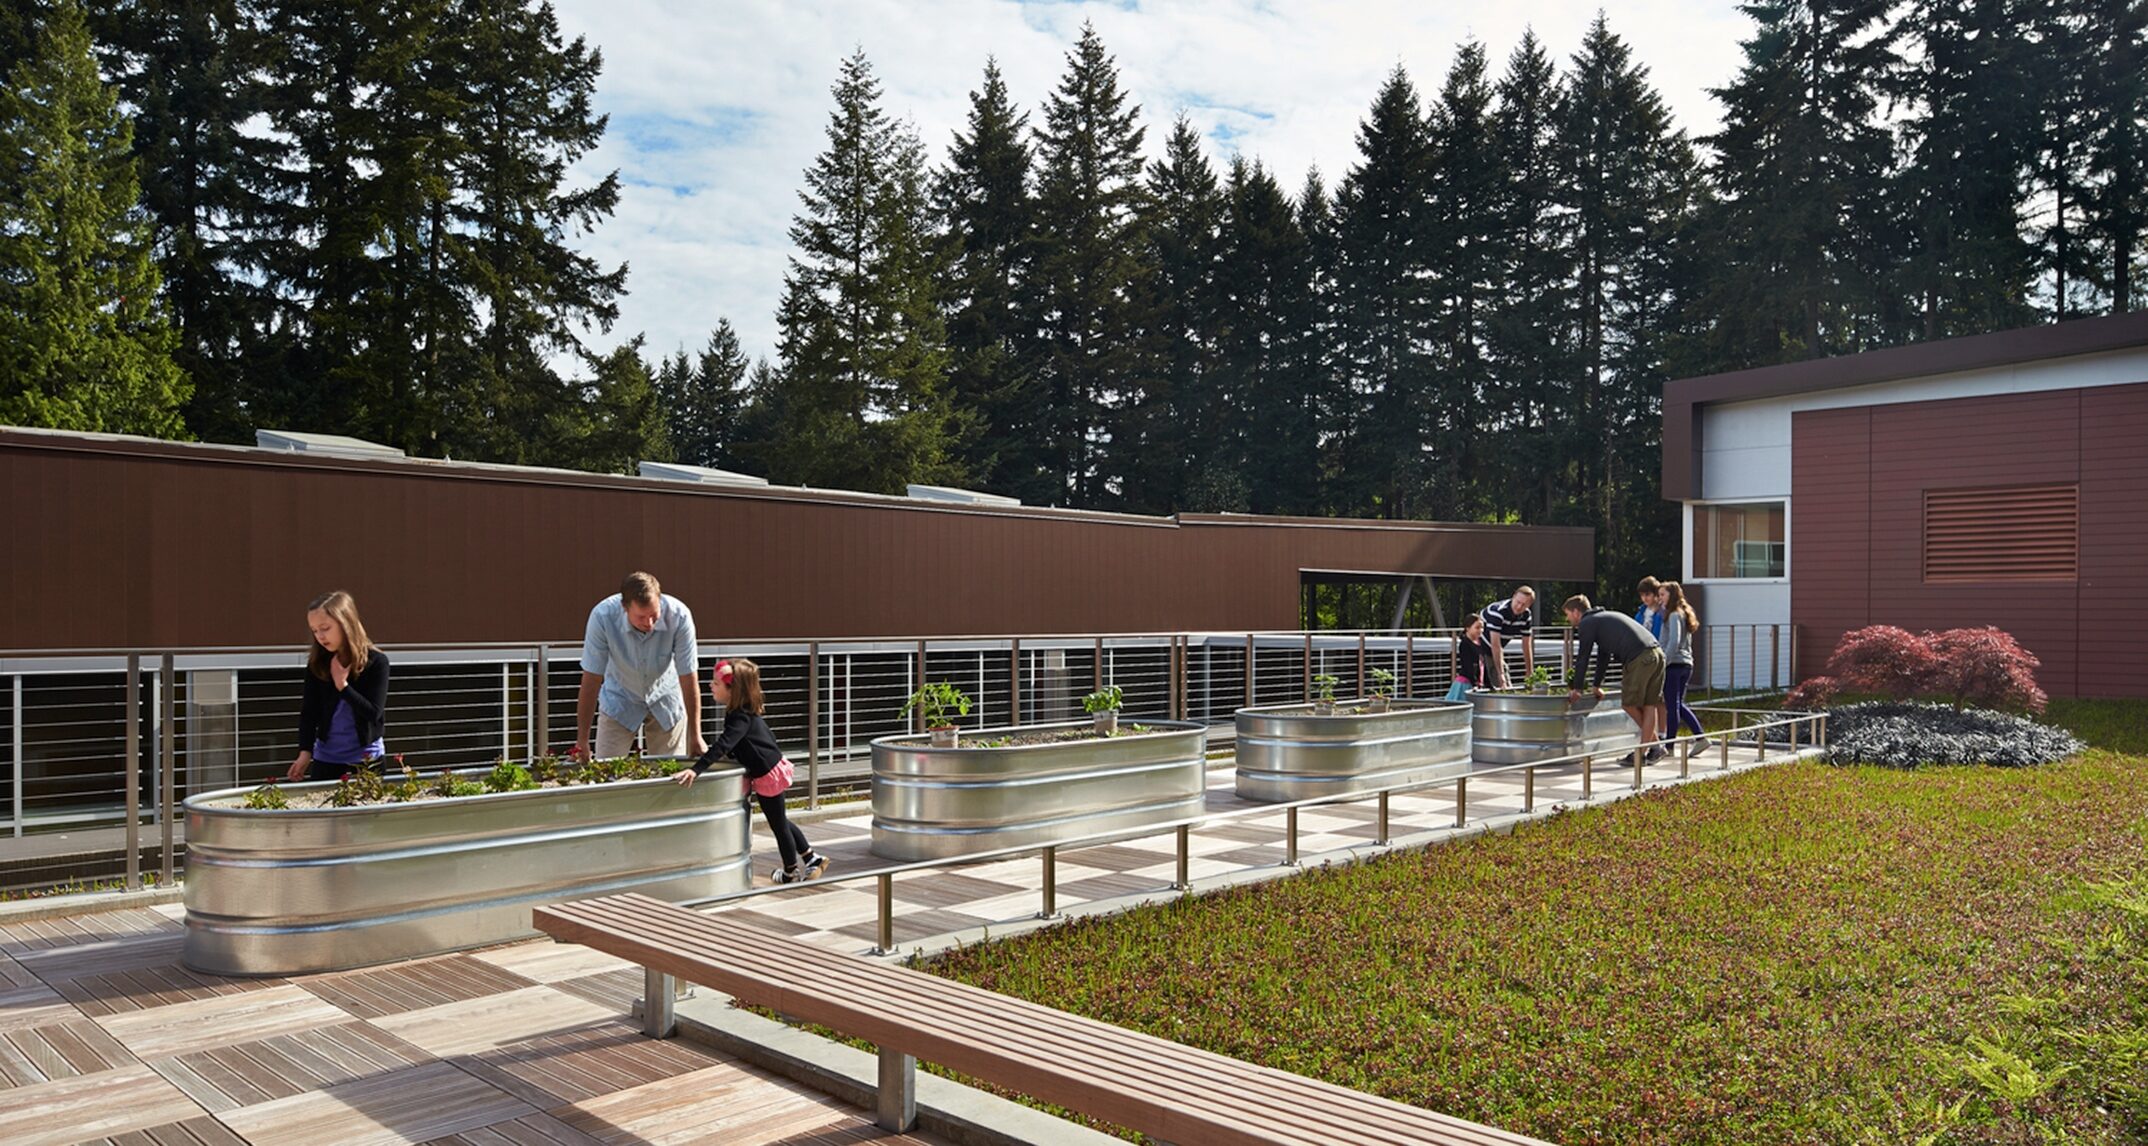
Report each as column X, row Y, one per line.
column 1175, row 1093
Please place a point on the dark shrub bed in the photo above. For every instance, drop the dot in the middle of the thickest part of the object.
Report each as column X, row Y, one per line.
column 1903, row 734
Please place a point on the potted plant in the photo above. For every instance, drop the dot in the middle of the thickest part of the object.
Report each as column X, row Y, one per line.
column 1383, row 688
column 1103, row 706
column 937, row 704
column 1539, row 680
column 1324, row 694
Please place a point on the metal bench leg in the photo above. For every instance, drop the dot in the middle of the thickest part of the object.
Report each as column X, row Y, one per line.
column 659, row 1013
column 897, row 1109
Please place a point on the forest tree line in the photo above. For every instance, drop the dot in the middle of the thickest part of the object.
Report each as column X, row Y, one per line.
column 330, row 216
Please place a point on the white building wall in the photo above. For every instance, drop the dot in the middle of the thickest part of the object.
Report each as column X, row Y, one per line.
column 1745, row 456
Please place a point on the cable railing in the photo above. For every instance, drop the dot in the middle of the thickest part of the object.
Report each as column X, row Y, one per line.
column 73, row 794
column 1811, row 727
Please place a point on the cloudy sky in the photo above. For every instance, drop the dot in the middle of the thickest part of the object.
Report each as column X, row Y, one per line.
column 718, row 106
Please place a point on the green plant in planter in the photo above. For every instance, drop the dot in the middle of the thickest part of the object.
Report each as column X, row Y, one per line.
column 1106, row 699
column 508, row 776
column 1383, row 683
column 267, row 797
column 1324, row 687
column 1539, row 678
column 938, row 704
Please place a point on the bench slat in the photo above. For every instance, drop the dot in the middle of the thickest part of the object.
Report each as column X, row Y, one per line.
column 1126, row 1077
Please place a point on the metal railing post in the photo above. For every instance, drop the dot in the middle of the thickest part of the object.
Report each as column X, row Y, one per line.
column 541, row 702
column 1097, row 666
column 1821, row 733
column 1051, row 883
column 169, row 752
column 1461, row 800
column 1528, row 791
column 1566, row 656
column 1361, row 663
column 1727, row 738
column 1793, row 738
column 1685, row 757
column 1588, row 778
column 1290, row 838
column 1252, row 659
column 659, row 1004
column 1639, row 757
column 1014, row 680
column 887, row 915
column 1308, row 667
column 1409, row 664
column 812, row 717
column 1382, row 836
column 1185, row 857
column 1775, row 655
column 134, row 772
column 895, row 1106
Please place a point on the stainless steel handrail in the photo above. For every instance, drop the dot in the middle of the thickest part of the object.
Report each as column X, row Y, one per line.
column 1184, row 827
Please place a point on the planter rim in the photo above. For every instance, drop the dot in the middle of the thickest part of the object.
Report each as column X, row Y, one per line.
column 200, row 802
column 1395, row 707
column 915, row 742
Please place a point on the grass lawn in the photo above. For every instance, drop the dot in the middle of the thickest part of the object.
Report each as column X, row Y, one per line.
column 1800, row 954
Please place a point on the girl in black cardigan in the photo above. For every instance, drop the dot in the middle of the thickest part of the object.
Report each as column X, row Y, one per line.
column 344, row 708
column 735, row 686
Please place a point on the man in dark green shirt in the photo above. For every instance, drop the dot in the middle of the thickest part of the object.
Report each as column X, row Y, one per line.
column 1608, row 634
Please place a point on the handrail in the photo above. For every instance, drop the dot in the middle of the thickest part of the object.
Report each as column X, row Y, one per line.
column 885, row 876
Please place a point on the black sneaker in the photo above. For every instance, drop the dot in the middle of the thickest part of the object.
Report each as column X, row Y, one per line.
column 1654, row 754
column 786, row 875
column 813, row 865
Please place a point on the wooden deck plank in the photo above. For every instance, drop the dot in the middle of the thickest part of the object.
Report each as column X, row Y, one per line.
column 494, row 1020
column 422, row 1102
column 97, row 1105
column 34, row 1006
column 721, row 1103
column 223, row 1020
column 554, row 1070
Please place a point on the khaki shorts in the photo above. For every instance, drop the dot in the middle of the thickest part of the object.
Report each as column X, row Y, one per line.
column 1642, row 683
column 615, row 739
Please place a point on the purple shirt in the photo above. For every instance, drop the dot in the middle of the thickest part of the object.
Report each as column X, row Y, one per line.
column 340, row 745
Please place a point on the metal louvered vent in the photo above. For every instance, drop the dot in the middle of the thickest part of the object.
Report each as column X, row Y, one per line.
column 2009, row 533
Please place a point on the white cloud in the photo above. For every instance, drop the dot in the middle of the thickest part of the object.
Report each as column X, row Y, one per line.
column 717, row 109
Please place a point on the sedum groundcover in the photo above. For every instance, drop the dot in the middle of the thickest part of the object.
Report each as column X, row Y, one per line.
column 1800, row 954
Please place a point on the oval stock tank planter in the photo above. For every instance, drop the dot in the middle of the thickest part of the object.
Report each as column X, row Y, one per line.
column 1287, row 752
column 1515, row 727
column 286, row 891
column 931, row 803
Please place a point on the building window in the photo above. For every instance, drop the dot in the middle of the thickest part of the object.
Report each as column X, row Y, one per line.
column 2014, row 533
column 1744, row 540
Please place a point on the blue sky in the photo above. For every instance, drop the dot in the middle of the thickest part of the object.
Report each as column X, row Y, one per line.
column 718, row 107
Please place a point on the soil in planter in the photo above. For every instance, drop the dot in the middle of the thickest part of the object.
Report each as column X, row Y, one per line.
column 1053, row 736
column 366, row 788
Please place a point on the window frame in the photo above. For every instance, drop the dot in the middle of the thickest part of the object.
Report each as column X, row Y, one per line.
column 1789, row 548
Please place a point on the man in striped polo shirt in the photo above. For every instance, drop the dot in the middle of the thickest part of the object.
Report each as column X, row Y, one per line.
column 1503, row 620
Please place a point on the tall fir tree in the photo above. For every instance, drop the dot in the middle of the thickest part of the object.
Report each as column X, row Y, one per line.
column 1801, row 166
column 863, row 343
column 85, row 343
column 703, row 397
column 983, row 201
column 1967, row 265
column 1465, row 228
column 1313, row 357
column 2114, row 70
column 1264, row 381
column 191, row 72
column 1173, row 438
column 1383, row 309
column 1528, row 336
column 618, row 419
column 1621, row 169
column 1086, row 359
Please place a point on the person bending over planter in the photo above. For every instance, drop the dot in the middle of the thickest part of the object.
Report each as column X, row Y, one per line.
column 1609, row 634
column 1678, row 625
column 344, row 709
column 638, row 673
column 1472, row 660
column 1513, row 618
column 735, row 686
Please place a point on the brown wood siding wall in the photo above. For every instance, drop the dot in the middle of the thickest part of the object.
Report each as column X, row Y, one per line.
column 113, row 545
column 2096, row 438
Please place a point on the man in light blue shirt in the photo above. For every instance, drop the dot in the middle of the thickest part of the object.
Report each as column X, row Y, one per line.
column 638, row 672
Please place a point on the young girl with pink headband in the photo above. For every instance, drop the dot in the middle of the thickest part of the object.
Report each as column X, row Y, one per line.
column 735, row 686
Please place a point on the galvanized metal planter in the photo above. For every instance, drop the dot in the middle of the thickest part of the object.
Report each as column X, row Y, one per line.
column 280, row 892
column 930, row 803
column 1516, row 727
column 1286, row 752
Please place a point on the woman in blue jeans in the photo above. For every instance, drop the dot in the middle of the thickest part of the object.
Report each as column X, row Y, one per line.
column 1678, row 626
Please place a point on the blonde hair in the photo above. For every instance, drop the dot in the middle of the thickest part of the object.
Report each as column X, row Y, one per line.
column 356, row 650
column 744, row 679
column 1674, row 601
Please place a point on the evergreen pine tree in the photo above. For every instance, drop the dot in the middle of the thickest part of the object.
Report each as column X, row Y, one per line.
column 1467, row 191
column 1968, row 265
column 702, row 398
column 1383, row 309
column 84, row 340
column 191, row 73
column 863, row 344
column 1528, row 343
column 1173, row 439
column 1265, row 280
column 1079, row 292
column 2113, row 68
column 1801, row 165
column 618, row 421
column 983, row 202
column 1310, row 352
